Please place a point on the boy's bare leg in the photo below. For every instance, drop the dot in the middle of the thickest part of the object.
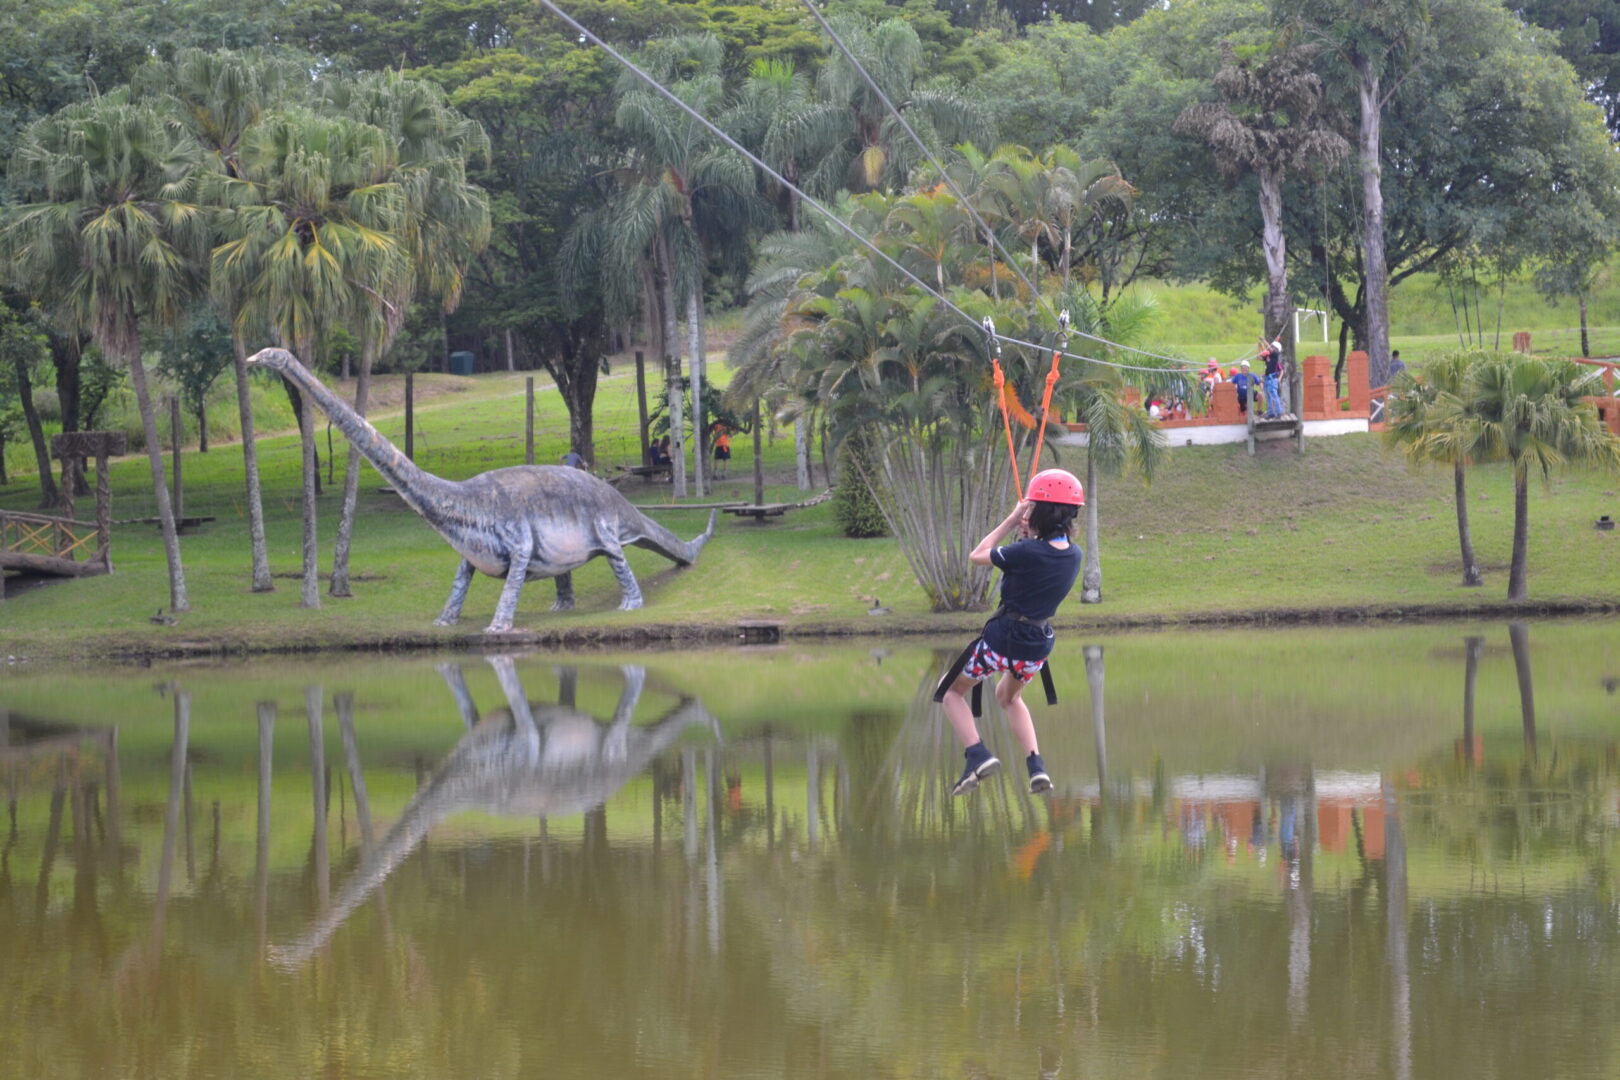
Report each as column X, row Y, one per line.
column 959, row 712
column 1008, row 690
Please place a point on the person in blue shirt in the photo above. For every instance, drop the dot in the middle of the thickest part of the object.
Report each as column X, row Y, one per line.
column 1037, row 573
column 1247, row 383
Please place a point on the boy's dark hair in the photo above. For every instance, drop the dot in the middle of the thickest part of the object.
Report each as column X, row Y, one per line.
column 1050, row 520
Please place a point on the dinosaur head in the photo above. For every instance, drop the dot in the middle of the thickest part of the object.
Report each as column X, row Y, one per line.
column 275, row 359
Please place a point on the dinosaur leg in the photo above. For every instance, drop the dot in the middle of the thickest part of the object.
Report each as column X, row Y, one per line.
column 516, row 571
column 565, row 593
column 617, row 743
column 453, row 678
column 517, row 699
column 621, row 570
column 458, row 596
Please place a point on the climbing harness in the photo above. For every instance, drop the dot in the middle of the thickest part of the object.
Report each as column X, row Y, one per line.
column 976, row 698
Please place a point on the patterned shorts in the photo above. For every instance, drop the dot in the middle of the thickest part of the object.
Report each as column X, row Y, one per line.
column 985, row 662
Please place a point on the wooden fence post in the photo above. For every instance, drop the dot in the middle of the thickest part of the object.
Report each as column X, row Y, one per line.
column 179, row 497
column 410, row 416
column 528, row 420
column 641, row 401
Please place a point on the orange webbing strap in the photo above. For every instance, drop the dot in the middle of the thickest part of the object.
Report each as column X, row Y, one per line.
column 1001, row 399
column 1051, row 381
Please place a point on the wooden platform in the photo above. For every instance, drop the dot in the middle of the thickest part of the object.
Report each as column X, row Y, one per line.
column 763, row 511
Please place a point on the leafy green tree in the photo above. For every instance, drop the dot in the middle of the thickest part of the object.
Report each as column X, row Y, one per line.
column 1432, row 419
column 23, row 351
column 111, row 235
column 193, row 356
column 1269, row 122
column 1589, row 38
column 24, row 347
column 1530, row 414
column 1381, row 41
column 313, row 239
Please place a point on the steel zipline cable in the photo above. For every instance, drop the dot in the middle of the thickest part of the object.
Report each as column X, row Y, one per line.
column 996, row 246
column 587, row 35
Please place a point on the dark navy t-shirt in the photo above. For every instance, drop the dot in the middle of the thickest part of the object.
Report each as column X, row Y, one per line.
column 1035, row 578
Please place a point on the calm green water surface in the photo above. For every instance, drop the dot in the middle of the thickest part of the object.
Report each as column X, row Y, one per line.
column 1357, row 853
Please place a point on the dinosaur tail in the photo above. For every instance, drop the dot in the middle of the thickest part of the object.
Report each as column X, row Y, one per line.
column 682, row 552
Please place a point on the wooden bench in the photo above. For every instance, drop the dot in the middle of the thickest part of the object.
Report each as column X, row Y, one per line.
column 648, row 472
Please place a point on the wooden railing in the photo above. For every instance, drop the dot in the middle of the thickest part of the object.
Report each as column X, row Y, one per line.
column 60, row 538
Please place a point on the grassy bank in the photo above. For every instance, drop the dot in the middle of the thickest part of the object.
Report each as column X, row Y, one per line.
column 1219, row 536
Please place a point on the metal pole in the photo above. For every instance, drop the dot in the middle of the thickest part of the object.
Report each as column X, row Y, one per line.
column 759, row 462
column 528, row 420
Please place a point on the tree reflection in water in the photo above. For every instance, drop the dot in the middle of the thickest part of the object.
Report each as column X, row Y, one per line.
column 821, row 907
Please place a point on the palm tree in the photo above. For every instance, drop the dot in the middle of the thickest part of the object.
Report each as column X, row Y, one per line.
column 218, row 96
column 1530, row 414
column 682, row 196
column 444, row 224
column 1119, row 435
column 1431, row 419
column 1269, row 122
column 874, row 152
column 315, row 240
column 111, row 236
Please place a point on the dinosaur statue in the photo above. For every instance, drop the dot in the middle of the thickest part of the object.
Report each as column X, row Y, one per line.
column 521, row 523
column 523, row 760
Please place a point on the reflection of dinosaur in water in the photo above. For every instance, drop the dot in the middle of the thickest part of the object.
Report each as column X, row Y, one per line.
column 523, row 760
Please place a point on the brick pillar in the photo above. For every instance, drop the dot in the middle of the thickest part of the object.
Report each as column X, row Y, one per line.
column 1223, row 404
column 1320, row 402
column 1355, row 383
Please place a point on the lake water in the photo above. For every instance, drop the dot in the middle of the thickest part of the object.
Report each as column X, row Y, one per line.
column 1347, row 853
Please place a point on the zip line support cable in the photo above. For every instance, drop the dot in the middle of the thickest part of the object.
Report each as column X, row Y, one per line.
column 1051, row 381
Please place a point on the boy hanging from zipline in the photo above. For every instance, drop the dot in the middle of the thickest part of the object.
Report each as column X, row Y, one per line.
column 1037, row 573
column 1038, row 570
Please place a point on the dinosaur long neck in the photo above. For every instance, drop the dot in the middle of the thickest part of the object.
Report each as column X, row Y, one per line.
column 424, row 491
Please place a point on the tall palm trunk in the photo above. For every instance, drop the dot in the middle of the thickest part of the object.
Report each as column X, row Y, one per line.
column 1518, row 586
column 48, row 494
column 1580, row 299
column 1465, row 538
column 1091, row 567
column 351, row 479
column 160, row 489
column 663, row 274
column 1275, row 247
column 694, row 336
column 1376, row 269
column 801, row 451
column 311, row 597
column 262, row 581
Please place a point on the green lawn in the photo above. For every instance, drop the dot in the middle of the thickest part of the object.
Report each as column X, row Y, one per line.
column 1344, row 526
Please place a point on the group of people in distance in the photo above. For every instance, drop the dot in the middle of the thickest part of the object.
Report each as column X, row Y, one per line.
column 1266, row 392
column 659, row 453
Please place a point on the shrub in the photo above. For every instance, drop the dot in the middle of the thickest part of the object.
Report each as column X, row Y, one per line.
column 854, row 508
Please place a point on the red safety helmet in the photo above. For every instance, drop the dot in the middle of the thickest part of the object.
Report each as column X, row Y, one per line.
column 1056, row 486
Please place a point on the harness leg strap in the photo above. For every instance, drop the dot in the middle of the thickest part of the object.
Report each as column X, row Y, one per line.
column 1047, row 684
column 950, row 676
